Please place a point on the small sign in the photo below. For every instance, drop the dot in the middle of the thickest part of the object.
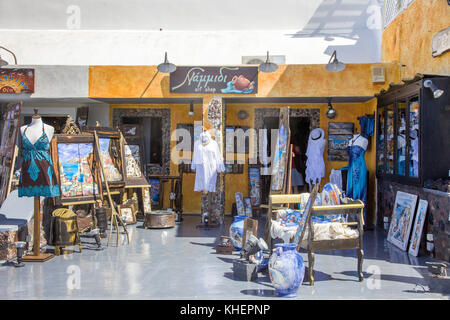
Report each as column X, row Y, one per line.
column 16, row 81
column 441, row 42
column 339, row 134
column 240, row 80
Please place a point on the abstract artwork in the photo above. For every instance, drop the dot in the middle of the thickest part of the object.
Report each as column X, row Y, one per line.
column 418, row 227
column 402, row 219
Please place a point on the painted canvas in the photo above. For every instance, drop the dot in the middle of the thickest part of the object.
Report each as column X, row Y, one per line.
column 107, row 152
column 239, row 203
column 132, row 161
column 147, row 202
column 402, row 219
column 248, row 206
column 76, row 178
column 280, row 158
column 255, row 186
column 418, row 227
column 154, row 191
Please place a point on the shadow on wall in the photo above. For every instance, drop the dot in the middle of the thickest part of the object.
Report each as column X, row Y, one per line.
column 359, row 20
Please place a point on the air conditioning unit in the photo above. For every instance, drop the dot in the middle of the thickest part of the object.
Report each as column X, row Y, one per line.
column 378, row 75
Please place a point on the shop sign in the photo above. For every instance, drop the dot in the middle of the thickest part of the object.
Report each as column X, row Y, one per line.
column 15, row 81
column 240, row 80
column 441, row 42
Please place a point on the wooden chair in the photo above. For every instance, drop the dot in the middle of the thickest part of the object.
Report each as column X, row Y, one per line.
column 352, row 207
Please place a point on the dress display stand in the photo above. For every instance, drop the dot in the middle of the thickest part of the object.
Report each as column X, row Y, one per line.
column 34, row 131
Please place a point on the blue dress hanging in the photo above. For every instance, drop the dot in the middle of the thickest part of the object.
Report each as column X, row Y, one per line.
column 357, row 175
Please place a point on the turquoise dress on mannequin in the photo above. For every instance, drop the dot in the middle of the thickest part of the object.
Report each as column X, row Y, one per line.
column 357, row 175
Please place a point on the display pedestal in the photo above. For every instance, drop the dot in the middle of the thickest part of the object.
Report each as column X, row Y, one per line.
column 37, row 256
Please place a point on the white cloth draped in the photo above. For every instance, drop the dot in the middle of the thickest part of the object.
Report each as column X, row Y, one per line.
column 206, row 162
column 315, row 166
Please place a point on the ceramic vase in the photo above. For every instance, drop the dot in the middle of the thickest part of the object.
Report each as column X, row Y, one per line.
column 286, row 269
column 236, row 231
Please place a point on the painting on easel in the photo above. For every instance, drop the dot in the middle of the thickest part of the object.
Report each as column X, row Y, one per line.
column 280, row 162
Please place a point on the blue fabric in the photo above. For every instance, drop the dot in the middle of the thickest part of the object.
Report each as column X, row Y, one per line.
column 357, row 175
column 367, row 126
column 42, row 191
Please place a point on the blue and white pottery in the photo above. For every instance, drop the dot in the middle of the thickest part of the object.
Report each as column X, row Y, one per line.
column 286, row 269
column 236, row 231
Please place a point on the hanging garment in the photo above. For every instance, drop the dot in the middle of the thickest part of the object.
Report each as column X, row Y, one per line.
column 37, row 177
column 336, row 178
column 207, row 162
column 315, row 166
column 357, row 174
column 367, row 126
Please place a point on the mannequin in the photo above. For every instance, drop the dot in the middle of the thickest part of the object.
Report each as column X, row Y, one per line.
column 37, row 176
column 206, row 162
column 315, row 166
column 357, row 169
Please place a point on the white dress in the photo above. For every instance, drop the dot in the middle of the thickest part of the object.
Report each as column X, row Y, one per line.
column 207, row 162
column 315, row 166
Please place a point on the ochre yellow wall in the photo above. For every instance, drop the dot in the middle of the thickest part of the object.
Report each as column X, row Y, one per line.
column 178, row 114
column 407, row 39
column 287, row 81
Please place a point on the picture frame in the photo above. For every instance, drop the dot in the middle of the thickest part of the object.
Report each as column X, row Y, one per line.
column 146, row 200
column 254, row 176
column 240, row 208
column 303, row 223
column 280, row 161
column 247, row 206
column 73, row 159
column 402, row 219
column 133, row 162
column 419, row 222
column 155, row 197
column 250, row 228
column 8, row 147
column 127, row 212
column 110, row 154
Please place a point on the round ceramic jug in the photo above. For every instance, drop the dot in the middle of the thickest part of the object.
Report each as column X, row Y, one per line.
column 236, row 231
column 286, row 269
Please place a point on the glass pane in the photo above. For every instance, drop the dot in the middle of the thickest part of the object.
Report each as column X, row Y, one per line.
column 390, row 139
column 380, row 142
column 414, row 138
column 401, row 138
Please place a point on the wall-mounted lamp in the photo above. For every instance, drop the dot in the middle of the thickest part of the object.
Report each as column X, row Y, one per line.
column 334, row 65
column 268, row 66
column 191, row 109
column 437, row 93
column 331, row 113
column 4, row 62
column 166, row 66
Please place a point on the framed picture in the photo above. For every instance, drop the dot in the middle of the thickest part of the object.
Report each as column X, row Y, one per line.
column 254, row 176
column 8, row 148
column 402, row 219
column 73, row 162
column 128, row 213
column 133, row 164
column 418, row 227
column 239, row 203
column 280, row 158
column 110, row 153
column 250, row 228
column 146, row 200
column 248, row 206
column 155, row 186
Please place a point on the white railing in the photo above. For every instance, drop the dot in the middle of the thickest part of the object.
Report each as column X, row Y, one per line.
column 392, row 8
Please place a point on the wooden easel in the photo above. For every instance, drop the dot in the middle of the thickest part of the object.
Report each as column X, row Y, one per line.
column 115, row 219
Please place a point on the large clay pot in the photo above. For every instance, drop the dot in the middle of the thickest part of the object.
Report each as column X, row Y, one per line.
column 236, row 231
column 286, row 269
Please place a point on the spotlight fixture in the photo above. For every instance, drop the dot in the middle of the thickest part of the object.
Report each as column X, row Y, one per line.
column 4, row 62
column 166, row 66
column 20, row 246
column 437, row 93
column 191, row 109
column 331, row 113
column 268, row 66
column 252, row 246
column 334, row 65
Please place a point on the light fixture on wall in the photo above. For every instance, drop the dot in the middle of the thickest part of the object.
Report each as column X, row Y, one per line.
column 268, row 66
column 331, row 113
column 4, row 62
column 437, row 93
column 334, row 65
column 191, row 109
column 166, row 66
